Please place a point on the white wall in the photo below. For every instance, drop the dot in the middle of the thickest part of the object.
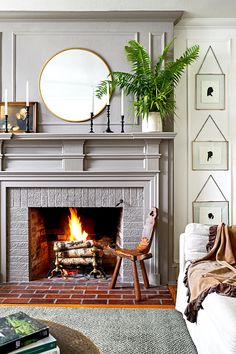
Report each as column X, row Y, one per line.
column 221, row 35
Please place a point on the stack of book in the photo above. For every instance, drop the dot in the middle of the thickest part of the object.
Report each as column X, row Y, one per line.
column 20, row 333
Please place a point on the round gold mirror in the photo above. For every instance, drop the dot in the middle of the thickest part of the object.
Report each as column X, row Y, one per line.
column 68, row 82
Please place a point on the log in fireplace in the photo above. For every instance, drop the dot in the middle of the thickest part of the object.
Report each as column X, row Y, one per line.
column 74, row 237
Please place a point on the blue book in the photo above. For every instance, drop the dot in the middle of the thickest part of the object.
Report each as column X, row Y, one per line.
column 18, row 330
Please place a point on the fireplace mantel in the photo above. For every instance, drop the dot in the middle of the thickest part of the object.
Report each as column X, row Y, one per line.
column 44, row 152
column 37, row 168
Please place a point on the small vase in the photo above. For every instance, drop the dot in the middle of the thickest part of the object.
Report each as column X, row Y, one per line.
column 152, row 122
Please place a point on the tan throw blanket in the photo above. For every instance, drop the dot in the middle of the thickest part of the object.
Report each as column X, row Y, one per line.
column 216, row 272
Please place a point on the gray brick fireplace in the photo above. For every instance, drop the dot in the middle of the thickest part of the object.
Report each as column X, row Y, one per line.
column 51, row 170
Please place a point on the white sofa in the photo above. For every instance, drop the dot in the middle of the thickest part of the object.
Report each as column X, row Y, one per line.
column 215, row 330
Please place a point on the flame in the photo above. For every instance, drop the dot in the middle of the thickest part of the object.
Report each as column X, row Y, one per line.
column 76, row 231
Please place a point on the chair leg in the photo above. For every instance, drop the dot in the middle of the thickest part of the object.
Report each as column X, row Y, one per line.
column 144, row 273
column 116, row 273
column 136, row 282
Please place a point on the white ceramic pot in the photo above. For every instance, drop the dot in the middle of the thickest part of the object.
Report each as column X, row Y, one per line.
column 152, row 123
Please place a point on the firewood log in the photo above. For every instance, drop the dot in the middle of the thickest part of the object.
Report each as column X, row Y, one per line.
column 75, row 261
column 67, row 245
column 74, row 253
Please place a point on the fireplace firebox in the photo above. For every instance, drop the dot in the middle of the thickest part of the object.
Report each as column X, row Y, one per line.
column 47, row 226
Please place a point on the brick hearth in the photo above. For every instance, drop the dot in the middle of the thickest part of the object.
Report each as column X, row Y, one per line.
column 81, row 292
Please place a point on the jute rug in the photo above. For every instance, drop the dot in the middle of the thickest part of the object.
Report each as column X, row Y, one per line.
column 120, row 330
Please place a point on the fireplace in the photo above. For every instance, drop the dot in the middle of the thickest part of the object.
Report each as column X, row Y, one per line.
column 42, row 171
column 49, row 225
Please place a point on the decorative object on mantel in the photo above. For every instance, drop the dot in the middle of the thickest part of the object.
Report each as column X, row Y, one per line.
column 211, row 212
column 80, row 71
column 91, row 123
column 210, row 87
column 210, row 155
column 152, row 86
column 19, row 118
column 122, row 111
column 108, row 130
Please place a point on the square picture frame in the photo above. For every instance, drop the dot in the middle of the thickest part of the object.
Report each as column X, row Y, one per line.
column 210, row 91
column 17, row 117
column 211, row 213
column 210, row 155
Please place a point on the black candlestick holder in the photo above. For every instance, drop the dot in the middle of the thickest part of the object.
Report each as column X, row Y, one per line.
column 108, row 130
column 91, row 122
column 27, row 129
column 122, row 123
column 6, row 123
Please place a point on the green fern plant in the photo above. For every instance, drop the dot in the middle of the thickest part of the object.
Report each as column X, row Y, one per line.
column 152, row 85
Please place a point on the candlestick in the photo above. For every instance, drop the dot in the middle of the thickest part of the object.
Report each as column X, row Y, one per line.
column 122, row 103
column 108, row 94
column 27, row 129
column 91, row 123
column 108, row 130
column 6, row 108
column 122, row 123
column 6, row 123
column 27, row 93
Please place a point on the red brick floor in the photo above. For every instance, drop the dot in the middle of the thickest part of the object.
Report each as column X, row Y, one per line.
column 80, row 291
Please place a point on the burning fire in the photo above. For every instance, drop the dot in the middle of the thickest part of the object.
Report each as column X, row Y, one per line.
column 76, row 230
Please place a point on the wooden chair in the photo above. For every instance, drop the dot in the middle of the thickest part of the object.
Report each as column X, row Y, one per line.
column 139, row 253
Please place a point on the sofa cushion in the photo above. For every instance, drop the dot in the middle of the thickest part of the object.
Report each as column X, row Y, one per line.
column 221, row 310
column 196, row 240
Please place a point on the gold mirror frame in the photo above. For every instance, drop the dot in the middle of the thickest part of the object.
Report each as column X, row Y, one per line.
column 68, row 81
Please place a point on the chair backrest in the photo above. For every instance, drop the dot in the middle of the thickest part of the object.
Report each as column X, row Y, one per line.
column 148, row 232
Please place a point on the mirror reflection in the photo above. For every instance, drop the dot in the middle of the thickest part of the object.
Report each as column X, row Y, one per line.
column 68, row 82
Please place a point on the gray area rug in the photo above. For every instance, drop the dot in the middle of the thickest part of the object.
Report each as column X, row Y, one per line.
column 121, row 330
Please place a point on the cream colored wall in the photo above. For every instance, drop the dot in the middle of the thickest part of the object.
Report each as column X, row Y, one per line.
column 221, row 35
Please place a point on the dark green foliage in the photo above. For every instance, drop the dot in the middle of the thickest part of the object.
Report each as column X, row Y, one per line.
column 151, row 85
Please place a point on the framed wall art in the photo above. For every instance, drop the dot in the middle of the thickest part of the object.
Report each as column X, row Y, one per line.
column 210, row 212
column 210, row 155
column 210, row 87
column 210, row 91
column 16, row 122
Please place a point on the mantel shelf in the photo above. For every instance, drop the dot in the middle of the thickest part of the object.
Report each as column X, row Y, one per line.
column 105, row 136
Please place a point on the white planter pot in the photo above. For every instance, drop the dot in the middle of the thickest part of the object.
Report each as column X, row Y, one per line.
column 152, row 123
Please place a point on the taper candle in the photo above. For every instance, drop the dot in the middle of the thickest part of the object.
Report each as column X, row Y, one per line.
column 92, row 105
column 5, row 98
column 122, row 103
column 27, row 93
column 108, row 94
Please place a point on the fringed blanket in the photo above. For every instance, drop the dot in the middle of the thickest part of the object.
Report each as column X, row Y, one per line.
column 216, row 272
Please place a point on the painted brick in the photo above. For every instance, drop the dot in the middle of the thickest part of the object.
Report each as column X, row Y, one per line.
column 119, row 192
column 78, row 197
column 34, row 197
column 58, row 197
column 105, row 197
column 140, row 197
column 91, row 197
column 10, row 198
column 44, row 197
column 65, row 198
column 98, row 197
column 127, row 198
column 51, row 197
column 24, row 197
column 71, row 197
column 16, row 200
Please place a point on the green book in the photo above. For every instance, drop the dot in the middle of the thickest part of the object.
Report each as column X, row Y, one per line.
column 18, row 330
column 40, row 346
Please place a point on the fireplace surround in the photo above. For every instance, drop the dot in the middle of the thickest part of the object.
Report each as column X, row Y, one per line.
column 55, row 170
